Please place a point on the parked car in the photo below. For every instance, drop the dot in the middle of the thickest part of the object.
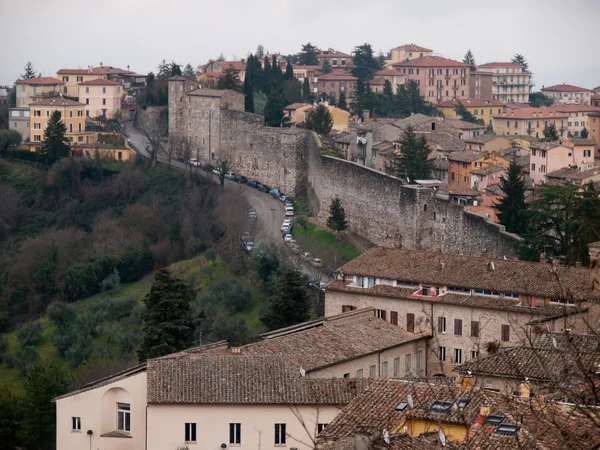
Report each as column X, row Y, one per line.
column 307, row 256
column 275, row 193
column 287, row 237
column 289, row 211
column 194, row 162
column 287, row 223
column 248, row 245
column 314, row 284
column 252, row 214
column 207, row 167
column 242, row 179
column 236, row 178
column 292, row 242
column 295, row 248
column 288, row 204
column 329, row 271
column 246, row 236
column 253, row 184
column 229, row 175
column 217, row 172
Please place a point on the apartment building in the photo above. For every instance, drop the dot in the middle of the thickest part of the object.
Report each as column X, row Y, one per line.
column 508, row 82
column 72, row 114
column 594, row 126
column 102, row 97
column 578, row 117
column 310, row 72
column 546, row 157
column 408, row 52
column 568, row 94
column 336, row 58
column 439, row 79
column 481, row 108
column 465, row 303
column 395, row 77
column 18, row 120
column 33, row 89
column 530, row 122
column 336, row 82
column 468, row 169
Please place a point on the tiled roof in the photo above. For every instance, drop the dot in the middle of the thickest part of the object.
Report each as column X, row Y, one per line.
column 414, row 120
column 295, row 106
column 41, row 81
column 389, row 73
column 582, row 141
column 488, row 170
column 307, row 68
column 545, row 145
column 377, row 82
column 466, row 156
column 210, row 92
column 499, row 64
column 575, row 108
column 470, row 103
column 100, row 82
column 446, row 141
column 483, row 138
column 567, row 173
column 241, row 379
column 463, row 125
column 237, row 65
column 532, row 113
column 565, row 88
column 333, row 54
column 512, row 105
column 474, row 272
column 337, row 76
column 431, row 61
column 55, row 101
column 412, row 48
column 334, row 340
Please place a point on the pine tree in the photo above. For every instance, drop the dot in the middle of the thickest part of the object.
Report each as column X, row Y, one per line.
column 56, row 144
column 306, row 94
column 189, row 72
column 291, row 304
column 10, row 415
column 388, row 91
column 174, row 69
column 584, row 133
column 520, row 60
column 229, row 79
column 308, row 55
column 413, row 162
column 274, row 116
column 551, row 133
column 168, row 323
column 342, row 104
column 319, row 120
column 326, row 67
column 260, row 52
column 45, row 380
column 29, row 72
column 512, row 207
column 248, row 92
column 289, row 71
column 464, row 114
column 337, row 216
column 470, row 59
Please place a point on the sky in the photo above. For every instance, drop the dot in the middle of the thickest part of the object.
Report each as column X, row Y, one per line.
column 559, row 38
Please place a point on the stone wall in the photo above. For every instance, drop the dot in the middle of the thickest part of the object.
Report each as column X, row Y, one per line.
column 151, row 118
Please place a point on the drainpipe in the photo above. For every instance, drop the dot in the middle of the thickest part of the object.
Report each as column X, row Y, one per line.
column 146, row 434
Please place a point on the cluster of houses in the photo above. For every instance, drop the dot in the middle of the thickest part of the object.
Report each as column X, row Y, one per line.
column 417, row 350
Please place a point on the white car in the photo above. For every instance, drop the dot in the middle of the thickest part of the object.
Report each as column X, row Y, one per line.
column 289, row 212
column 287, row 238
column 230, row 175
column 216, row 172
column 194, row 162
column 287, row 224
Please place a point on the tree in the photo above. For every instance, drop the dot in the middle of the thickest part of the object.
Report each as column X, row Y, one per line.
column 291, row 303
column 10, row 415
column 274, row 116
column 289, row 71
column 342, row 104
column 413, row 162
column 538, row 99
column 260, row 51
column 520, row 60
column 168, row 323
column 512, row 207
column 388, row 91
column 319, row 120
column 56, row 144
column 584, row 133
column 365, row 64
column 248, row 93
column 306, row 94
column 189, row 72
column 9, row 138
column 551, row 133
column 29, row 72
column 326, row 67
column 470, row 59
column 223, row 166
column 337, row 216
column 308, row 55
column 45, row 381
column 466, row 115
column 229, row 80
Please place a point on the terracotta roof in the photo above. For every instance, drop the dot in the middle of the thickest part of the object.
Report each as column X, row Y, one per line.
column 377, row 82
column 414, row 120
column 241, row 379
column 333, row 53
column 531, row 113
column 470, row 103
column 237, row 65
column 463, row 125
column 575, row 108
column 545, row 145
column 488, row 170
column 412, row 48
column 333, row 340
column 389, row 73
column 474, row 272
column 55, row 101
column 383, row 145
column 210, row 92
column 307, row 68
column 100, row 82
column 461, row 191
column 431, row 61
column 295, row 106
column 499, row 64
column 576, row 141
column 335, row 76
column 483, row 138
column 512, row 105
column 565, row 88
column 466, row 156
column 569, row 174
column 41, row 81
column 104, row 70
column 446, row 141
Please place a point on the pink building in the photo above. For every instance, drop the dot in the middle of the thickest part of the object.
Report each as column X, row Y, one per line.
column 297, row 112
column 439, row 79
column 551, row 156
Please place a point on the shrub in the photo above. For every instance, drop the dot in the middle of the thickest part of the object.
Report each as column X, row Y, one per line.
column 44, row 270
column 4, row 318
column 195, row 246
column 111, row 282
column 210, row 254
column 29, row 333
column 61, row 314
column 80, row 350
column 3, row 346
column 22, row 359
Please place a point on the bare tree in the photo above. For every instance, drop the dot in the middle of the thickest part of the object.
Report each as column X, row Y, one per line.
column 9, row 208
column 155, row 147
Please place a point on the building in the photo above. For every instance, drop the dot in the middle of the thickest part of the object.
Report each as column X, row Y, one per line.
column 336, row 82
column 33, row 89
column 568, row 94
column 464, row 302
column 439, row 79
column 466, row 130
column 72, row 114
column 488, row 143
column 395, row 77
column 484, row 177
column 594, row 126
column 221, row 66
column 530, row 122
column 341, row 119
column 408, row 52
column 377, row 85
column 336, row 59
column 579, row 118
column 465, row 169
column 18, row 119
column 574, row 176
column 509, row 82
column 297, row 113
column 481, row 108
column 103, row 151
column 102, row 97
column 310, row 72
column 548, row 157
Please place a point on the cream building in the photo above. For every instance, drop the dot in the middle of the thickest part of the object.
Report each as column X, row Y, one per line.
column 73, row 77
column 408, row 52
column 33, row 89
column 568, row 94
column 101, row 97
column 509, row 82
column 19, row 121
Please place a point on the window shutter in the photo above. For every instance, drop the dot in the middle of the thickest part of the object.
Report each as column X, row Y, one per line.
column 394, row 317
column 383, row 313
column 410, row 322
column 474, row 329
column 505, row 333
column 440, row 324
column 458, row 327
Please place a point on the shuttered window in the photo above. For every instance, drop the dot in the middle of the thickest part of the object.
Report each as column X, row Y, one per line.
column 410, row 322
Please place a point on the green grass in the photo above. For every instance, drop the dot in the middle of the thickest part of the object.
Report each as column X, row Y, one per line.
column 330, row 152
column 310, row 237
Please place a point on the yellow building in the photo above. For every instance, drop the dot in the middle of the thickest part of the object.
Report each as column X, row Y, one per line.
column 28, row 91
column 73, row 77
column 340, row 118
column 101, row 97
column 481, row 108
column 72, row 114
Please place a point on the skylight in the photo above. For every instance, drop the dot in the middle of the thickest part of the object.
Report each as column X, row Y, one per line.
column 401, row 406
column 440, row 406
column 462, row 402
column 494, row 420
column 507, row 429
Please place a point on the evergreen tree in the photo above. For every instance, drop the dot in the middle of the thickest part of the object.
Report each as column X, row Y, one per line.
column 364, row 63
column 308, row 55
column 538, row 99
column 584, row 133
column 337, row 216
column 388, row 91
column 248, row 91
column 267, row 75
column 319, row 120
column 326, row 67
column 229, row 80
column 511, row 207
column 292, row 91
column 174, row 69
column 413, row 162
column 306, row 94
column 551, row 133
column 189, row 72
column 168, row 322
column 464, row 114
column 470, row 59
column 10, row 415
column 289, row 71
column 274, row 116
column 520, row 60
column 45, row 380
column 342, row 101
column 56, row 144
column 29, row 72
column 260, row 52
column 291, row 303
column 276, row 69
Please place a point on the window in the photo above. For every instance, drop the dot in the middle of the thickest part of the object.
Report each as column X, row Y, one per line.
column 76, row 423
column 466, row 179
column 80, row 79
column 36, row 126
column 587, row 153
column 474, row 354
column 407, row 364
column 37, row 137
column 346, row 375
column 441, row 324
column 384, row 367
column 235, row 433
column 396, row 367
column 70, row 113
column 457, row 356
column 505, row 333
column 372, row 371
column 380, row 313
column 87, row 90
column 474, row 329
column 124, row 417
column 321, row 427
column 410, row 322
column 87, row 101
column 359, row 373
column 104, row 101
column 533, row 167
column 190, row 432
column 457, row 327
column 347, row 308
column 104, row 90
column 66, row 79
column 442, row 354
column 419, row 358
column 79, row 127
column 394, row 317
column 280, row 434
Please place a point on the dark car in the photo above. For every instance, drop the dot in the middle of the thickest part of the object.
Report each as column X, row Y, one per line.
column 207, row 167
column 236, row 178
column 252, row 184
column 267, row 189
column 263, row 188
column 242, row 179
column 329, row 271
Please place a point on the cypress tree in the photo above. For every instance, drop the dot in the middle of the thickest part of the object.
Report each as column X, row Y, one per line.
column 470, row 59
column 388, row 91
column 248, row 93
column 319, row 120
column 337, row 216
column 342, row 101
column 326, row 67
column 289, row 71
column 168, row 323
column 291, row 304
column 512, row 207
column 56, row 144
column 413, row 162
column 267, row 75
column 306, row 94
column 275, row 104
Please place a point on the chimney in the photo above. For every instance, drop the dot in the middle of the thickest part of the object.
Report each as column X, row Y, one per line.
column 128, row 68
column 101, row 65
column 484, row 410
column 442, row 265
column 366, row 114
column 542, row 257
column 236, row 350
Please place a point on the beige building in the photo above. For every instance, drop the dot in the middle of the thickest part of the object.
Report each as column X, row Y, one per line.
column 340, row 117
column 337, row 59
column 102, row 98
column 18, row 120
column 568, row 94
column 466, row 303
column 33, row 89
column 297, row 113
column 336, row 82
column 509, row 82
column 547, row 157
column 221, row 66
column 407, row 52
column 488, row 143
column 73, row 77
column 395, row 77
column 579, row 118
column 530, row 122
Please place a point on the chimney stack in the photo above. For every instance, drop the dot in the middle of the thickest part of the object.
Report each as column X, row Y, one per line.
column 101, row 65
column 366, row 115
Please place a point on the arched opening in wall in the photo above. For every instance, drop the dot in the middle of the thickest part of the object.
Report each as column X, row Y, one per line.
column 432, row 126
column 425, row 207
column 116, row 412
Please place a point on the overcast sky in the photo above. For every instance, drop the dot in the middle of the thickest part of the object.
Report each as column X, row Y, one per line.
column 559, row 38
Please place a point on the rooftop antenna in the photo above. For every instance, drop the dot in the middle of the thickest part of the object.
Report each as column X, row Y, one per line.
column 410, row 402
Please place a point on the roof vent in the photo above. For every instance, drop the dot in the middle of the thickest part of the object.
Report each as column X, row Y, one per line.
column 491, row 266
column 401, row 406
column 442, row 265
